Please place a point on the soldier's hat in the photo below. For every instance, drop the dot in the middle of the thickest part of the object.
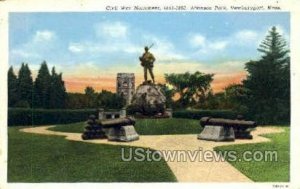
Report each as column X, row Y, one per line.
column 146, row 48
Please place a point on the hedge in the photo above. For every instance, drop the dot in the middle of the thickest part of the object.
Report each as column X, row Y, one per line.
column 21, row 116
column 198, row 114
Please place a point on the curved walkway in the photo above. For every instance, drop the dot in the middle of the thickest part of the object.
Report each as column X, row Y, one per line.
column 188, row 171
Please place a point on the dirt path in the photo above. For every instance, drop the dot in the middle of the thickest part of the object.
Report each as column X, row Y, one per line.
column 188, row 171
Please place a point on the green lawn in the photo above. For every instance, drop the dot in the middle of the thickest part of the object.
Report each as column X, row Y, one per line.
column 264, row 171
column 148, row 126
column 39, row 158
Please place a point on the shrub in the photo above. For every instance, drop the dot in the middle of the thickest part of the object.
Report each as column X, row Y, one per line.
column 26, row 116
column 198, row 114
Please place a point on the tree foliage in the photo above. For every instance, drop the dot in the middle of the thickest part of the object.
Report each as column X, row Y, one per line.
column 91, row 99
column 47, row 91
column 42, row 87
column 13, row 95
column 191, row 88
column 268, row 81
column 169, row 93
column 25, row 87
column 57, row 96
column 109, row 100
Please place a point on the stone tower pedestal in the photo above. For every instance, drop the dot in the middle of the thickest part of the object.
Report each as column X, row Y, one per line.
column 126, row 86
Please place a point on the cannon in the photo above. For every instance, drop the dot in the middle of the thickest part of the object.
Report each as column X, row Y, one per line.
column 116, row 122
column 218, row 129
column 119, row 129
column 227, row 122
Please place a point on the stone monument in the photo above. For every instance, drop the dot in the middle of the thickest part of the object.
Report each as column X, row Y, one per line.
column 126, row 86
column 149, row 99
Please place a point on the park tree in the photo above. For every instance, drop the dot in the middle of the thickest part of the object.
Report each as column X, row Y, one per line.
column 236, row 97
column 268, row 81
column 109, row 100
column 91, row 97
column 42, row 87
column 57, row 95
column 192, row 88
column 169, row 93
column 76, row 101
column 25, row 87
column 12, row 82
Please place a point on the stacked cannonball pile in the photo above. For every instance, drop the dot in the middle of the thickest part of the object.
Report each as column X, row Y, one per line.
column 93, row 130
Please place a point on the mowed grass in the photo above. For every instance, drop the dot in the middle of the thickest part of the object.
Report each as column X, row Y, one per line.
column 147, row 126
column 40, row 158
column 264, row 171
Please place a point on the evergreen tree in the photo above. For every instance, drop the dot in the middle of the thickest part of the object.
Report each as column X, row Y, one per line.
column 13, row 95
column 268, row 81
column 25, row 86
column 42, row 87
column 58, row 94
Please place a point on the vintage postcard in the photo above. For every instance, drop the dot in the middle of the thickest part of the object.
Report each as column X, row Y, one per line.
column 131, row 93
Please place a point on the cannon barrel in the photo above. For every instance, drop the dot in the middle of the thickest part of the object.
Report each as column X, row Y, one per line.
column 116, row 122
column 227, row 122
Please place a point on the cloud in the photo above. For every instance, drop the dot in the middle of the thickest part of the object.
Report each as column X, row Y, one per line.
column 22, row 53
column 111, row 30
column 204, row 45
column 39, row 46
column 245, row 36
column 162, row 48
column 242, row 39
column 218, row 45
column 111, row 37
column 197, row 40
column 44, row 35
column 116, row 37
column 102, row 46
column 75, row 47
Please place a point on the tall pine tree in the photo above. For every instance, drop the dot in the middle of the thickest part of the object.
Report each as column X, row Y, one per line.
column 42, row 87
column 268, row 81
column 13, row 95
column 25, row 87
column 58, row 93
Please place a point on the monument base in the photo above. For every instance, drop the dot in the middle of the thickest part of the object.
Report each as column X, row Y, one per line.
column 217, row 133
column 149, row 100
column 119, row 129
column 124, row 133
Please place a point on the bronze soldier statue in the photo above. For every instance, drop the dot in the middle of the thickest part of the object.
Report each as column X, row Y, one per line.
column 147, row 61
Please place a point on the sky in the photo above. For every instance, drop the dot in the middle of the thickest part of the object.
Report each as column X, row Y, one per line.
column 90, row 48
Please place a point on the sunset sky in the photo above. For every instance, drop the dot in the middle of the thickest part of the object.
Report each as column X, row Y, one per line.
column 91, row 48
